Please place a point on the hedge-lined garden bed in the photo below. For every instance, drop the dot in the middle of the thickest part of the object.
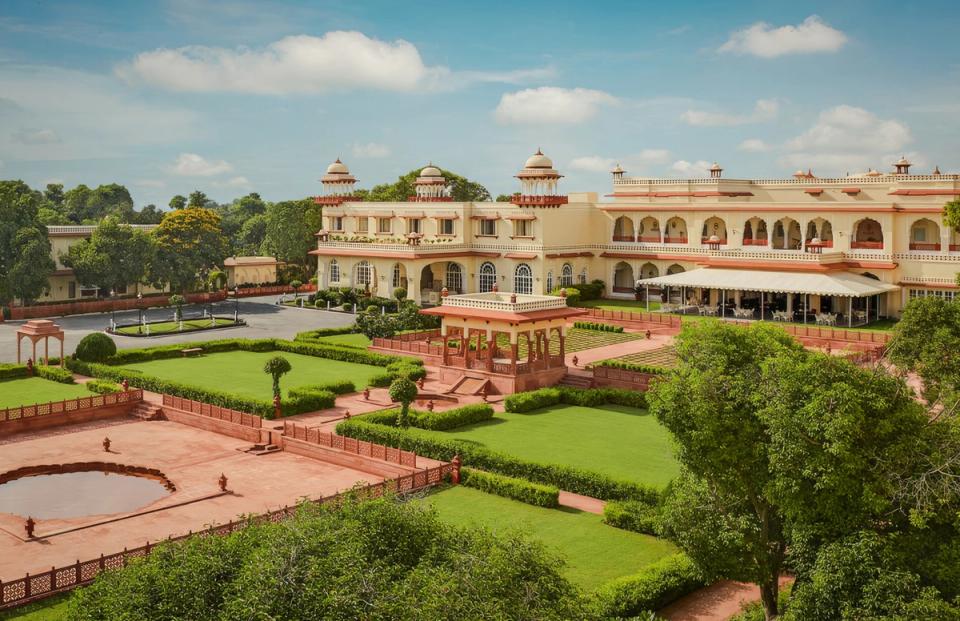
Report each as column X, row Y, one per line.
column 650, row 589
column 299, row 400
column 523, row 402
column 535, row 494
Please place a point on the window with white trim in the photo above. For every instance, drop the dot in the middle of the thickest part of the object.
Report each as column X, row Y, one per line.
column 488, row 227
column 566, row 275
column 364, row 274
column 454, row 278
column 944, row 294
column 336, row 223
column 363, row 224
column 446, row 227
column 413, row 225
column 523, row 228
column 384, row 225
column 397, row 275
column 549, row 281
column 488, row 277
column 334, row 271
column 523, row 279
column 583, row 276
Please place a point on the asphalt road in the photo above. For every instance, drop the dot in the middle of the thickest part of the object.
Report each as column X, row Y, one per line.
column 264, row 319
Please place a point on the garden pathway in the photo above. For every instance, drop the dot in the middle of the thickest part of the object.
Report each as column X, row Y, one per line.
column 717, row 602
column 583, row 503
column 596, row 354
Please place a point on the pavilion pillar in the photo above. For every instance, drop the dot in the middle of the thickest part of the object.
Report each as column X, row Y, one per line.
column 647, row 297
column 805, row 307
column 446, row 345
column 761, row 306
column 563, row 348
column 46, row 350
column 61, row 352
column 491, row 343
column 465, row 343
column 480, row 353
column 868, row 312
column 20, row 338
column 790, row 306
column 34, row 343
column 531, row 348
column 514, row 352
column 546, row 346
column 850, row 313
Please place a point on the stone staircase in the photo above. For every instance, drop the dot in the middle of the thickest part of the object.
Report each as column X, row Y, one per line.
column 467, row 385
column 147, row 411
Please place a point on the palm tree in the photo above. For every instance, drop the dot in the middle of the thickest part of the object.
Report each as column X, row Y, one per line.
column 276, row 367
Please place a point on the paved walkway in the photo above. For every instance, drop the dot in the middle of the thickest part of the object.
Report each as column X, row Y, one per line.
column 583, row 503
column 717, row 602
column 596, row 354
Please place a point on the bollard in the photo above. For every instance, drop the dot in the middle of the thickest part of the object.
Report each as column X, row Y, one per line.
column 28, row 526
column 223, row 482
column 575, row 360
column 106, row 445
column 430, row 405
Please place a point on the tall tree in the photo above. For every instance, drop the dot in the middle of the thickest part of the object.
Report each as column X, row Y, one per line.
column 54, row 194
column 83, row 204
column 178, row 202
column 461, row 188
column 150, row 214
column 115, row 255
column 189, row 243
column 250, row 240
column 25, row 262
column 197, row 199
column 290, row 230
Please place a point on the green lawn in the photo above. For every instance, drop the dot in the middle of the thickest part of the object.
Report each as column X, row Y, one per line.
column 595, row 553
column 171, row 327
column 30, row 390
column 632, row 306
column 51, row 609
column 665, row 356
column 241, row 372
column 350, row 340
column 614, row 440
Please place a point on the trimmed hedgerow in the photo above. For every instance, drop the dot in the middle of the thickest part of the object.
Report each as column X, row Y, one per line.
column 510, row 487
column 650, row 589
column 435, row 421
column 433, row 445
column 522, row 402
column 632, row 366
column 54, row 374
column 102, row 387
column 381, row 380
column 638, row 517
column 312, row 335
column 12, row 371
column 598, row 327
column 339, row 387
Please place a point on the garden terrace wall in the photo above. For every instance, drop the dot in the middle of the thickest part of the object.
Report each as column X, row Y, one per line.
column 250, row 292
column 21, row 591
column 70, row 411
column 621, row 378
column 213, row 418
column 430, row 354
column 370, row 457
column 662, row 322
column 102, row 306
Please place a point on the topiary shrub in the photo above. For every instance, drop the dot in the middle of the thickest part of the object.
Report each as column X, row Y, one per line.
column 403, row 391
column 102, row 387
column 54, row 374
column 95, row 347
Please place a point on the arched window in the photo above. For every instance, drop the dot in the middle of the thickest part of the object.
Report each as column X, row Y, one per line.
column 488, row 277
column 549, row 281
column 523, row 279
column 566, row 275
column 397, row 277
column 364, row 274
column 583, row 276
column 334, row 271
column 454, row 278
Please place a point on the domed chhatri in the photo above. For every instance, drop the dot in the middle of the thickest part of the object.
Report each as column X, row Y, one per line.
column 431, row 185
column 902, row 166
column 338, row 184
column 538, row 183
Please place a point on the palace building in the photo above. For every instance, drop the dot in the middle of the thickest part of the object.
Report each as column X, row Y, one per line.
column 850, row 248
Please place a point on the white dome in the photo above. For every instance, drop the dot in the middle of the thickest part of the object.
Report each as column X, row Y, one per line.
column 338, row 168
column 431, row 171
column 903, row 161
column 538, row 160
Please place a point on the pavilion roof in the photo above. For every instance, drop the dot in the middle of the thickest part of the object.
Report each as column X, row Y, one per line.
column 846, row 284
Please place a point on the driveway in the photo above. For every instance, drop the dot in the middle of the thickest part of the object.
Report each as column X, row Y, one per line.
column 264, row 318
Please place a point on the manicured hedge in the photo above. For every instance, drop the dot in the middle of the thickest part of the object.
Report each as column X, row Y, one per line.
column 522, row 402
column 313, row 336
column 632, row 366
column 340, row 387
column 631, row 515
column 12, row 371
column 95, row 347
column 102, row 387
column 510, row 487
column 435, row 421
column 652, row 588
column 599, row 327
column 434, row 445
column 55, row 374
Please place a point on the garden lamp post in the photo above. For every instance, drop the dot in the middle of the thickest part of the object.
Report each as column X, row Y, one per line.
column 140, row 308
column 236, row 304
column 113, row 312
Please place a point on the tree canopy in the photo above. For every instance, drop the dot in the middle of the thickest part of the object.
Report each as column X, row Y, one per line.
column 189, row 243
column 461, row 189
column 25, row 262
column 115, row 255
column 290, row 230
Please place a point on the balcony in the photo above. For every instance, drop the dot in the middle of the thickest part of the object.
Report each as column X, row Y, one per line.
column 756, row 242
column 926, row 246
column 649, row 239
column 674, row 240
column 866, row 245
column 624, row 238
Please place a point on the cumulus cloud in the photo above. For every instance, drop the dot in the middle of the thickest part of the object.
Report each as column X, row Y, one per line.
column 754, row 145
column 233, row 182
column 551, row 105
column 764, row 110
column 35, row 136
column 370, row 150
column 193, row 165
column 592, row 163
column 336, row 61
column 692, row 170
column 766, row 41
column 847, row 138
column 597, row 163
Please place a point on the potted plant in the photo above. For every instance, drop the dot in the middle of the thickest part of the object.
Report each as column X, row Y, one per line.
column 638, row 291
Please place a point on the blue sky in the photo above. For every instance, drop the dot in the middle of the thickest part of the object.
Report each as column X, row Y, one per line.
column 235, row 96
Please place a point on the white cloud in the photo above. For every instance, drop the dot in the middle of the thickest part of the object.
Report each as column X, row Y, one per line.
column 652, row 156
column 35, row 136
column 233, row 182
column 754, row 145
column 763, row 40
column 691, row 170
column 764, row 110
column 592, row 163
column 847, row 138
column 551, row 105
column 193, row 165
column 336, row 61
column 370, row 150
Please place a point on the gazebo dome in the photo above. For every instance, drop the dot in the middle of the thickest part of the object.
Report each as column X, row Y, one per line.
column 338, row 168
column 538, row 160
column 338, row 184
column 903, row 161
column 431, row 171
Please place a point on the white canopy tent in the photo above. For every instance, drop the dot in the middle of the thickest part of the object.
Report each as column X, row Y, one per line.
column 841, row 284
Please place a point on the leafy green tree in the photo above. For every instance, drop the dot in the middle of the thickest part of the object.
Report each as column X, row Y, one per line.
column 25, row 262
column 926, row 341
column 251, row 236
column 177, row 301
column 89, row 205
column 189, row 243
column 115, row 255
column 150, row 214
column 277, row 367
column 504, row 198
column 290, row 231
column 379, row 559
column 198, row 199
column 54, row 194
column 178, row 202
column 461, row 188
column 403, row 391
column 217, row 280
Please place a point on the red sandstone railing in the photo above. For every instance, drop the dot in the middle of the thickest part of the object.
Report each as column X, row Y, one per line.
column 102, row 306
column 350, row 445
column 755, row 242
column 658, row 318
column 420, row 335
column 61, row 579
column 869, row 245
column 639, row 380
column 409, row 346
column 920, row 246
column 70, row 405
column 213, row 411
column 250, row 292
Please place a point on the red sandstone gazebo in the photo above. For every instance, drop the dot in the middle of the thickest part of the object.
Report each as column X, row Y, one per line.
column 37, row 329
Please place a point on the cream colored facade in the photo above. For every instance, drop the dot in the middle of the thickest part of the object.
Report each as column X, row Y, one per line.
column 63, row 285
column 250, row 270
column 885, row 225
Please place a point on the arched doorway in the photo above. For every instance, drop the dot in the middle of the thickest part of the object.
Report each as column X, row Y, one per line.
column 786, row 235
column 398, row 277
column 454, row 278
column 523, row 279
column 714, row 227
column 649, row 270
column 924, row 235
column 755, row 232
column 676, row 231
column 623, row 280
column 867, row 235
column 566, row 275
column 623, row 229
column 649, row 231
column 821, row 229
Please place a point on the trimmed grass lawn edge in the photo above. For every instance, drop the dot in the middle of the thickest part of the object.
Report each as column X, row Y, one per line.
column 138, row 335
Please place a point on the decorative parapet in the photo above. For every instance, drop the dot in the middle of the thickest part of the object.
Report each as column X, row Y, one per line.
column 508, row 302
